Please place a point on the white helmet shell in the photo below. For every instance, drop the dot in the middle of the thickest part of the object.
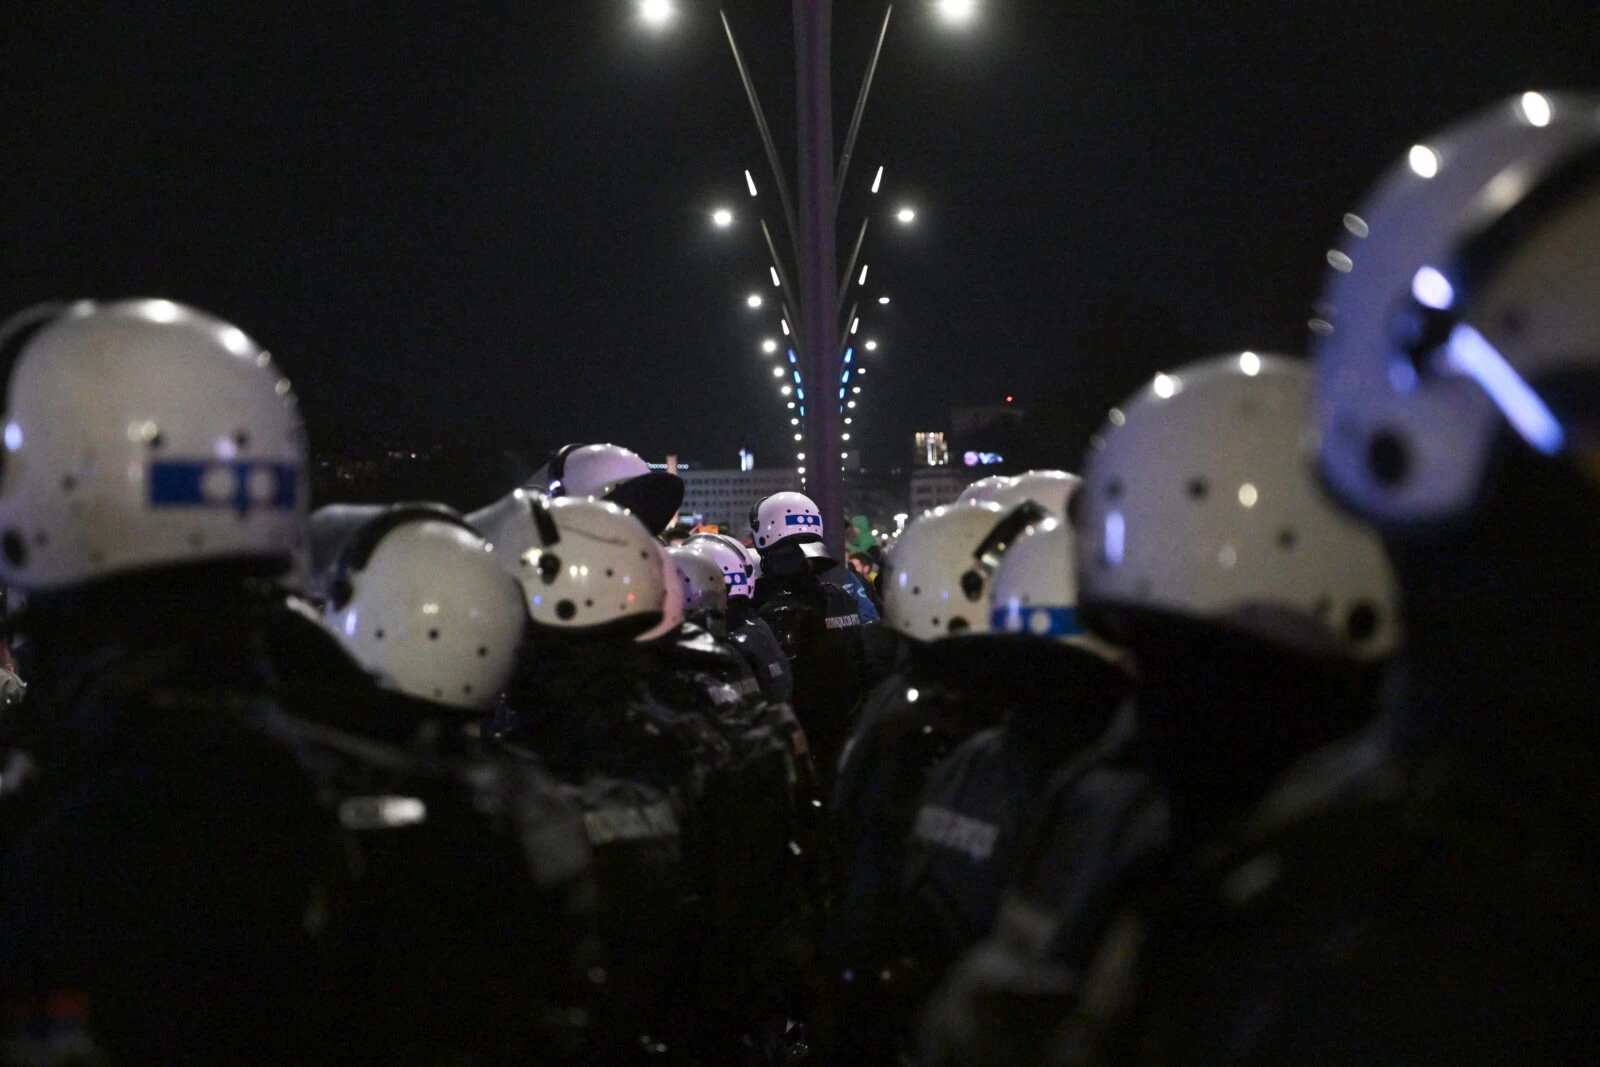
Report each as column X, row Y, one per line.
column 1051, row 490
column 424, row 608
column 617, row 474
column 672, row 600
column 938, row 574
column 1465, row 279
column 988, row 490
column 1202, row 502
column 784, row 517
column 700, row 577
column 735, row 561
column 1035, row 589
column 592, row 566
column 144, row 433
column 508, row 526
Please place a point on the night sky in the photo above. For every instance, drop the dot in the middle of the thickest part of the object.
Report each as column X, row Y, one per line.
column 486, row 223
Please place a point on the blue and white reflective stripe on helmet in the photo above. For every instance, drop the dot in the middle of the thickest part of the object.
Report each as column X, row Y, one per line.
column 802, row 520
column 242, row 486
column 1041, row 622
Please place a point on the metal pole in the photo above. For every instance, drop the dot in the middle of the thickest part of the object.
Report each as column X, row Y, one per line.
column 861, row 106
column 850, row 266
column 784, row 283
column 761, row 124
column 817, row 254
column 844, row 331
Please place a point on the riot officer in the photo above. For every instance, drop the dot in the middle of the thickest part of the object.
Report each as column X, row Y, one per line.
column 1059, row 687
column 749, row 633
column 1427, row 892
column 937, row 599
column 1260, row 617
column 468, row 925
column 168, row 870
column 817, row 623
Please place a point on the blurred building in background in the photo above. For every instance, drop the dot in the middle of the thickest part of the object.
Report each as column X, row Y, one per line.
column 723, row 498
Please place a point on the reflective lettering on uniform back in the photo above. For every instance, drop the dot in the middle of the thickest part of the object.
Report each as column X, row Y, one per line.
column 381, row 812
column 651, row 822
column 949, row 829
column 842, row 622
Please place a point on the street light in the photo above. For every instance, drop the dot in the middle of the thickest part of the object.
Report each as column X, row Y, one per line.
column 957, row 11
column 881, row 300
column 754, row 300
column 777, row 372
column 906, row 216
column 769, row 346
column 872, row 346
column 656, row 12
column 722, row 218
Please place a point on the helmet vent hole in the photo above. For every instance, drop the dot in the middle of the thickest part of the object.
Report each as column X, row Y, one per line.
column 588, row 603
column 958, row 625
column 466, row 689
column 1198, row 488
column 157, row 441
column 1286, row 538
column 433, row 635
column 610, row 573
column 1114, row 489
column 483, row 650
column 377, row 635
column 916, row 590
column 1362, row 622
column 971, row 585
column 16, row 552
column 242, row 439
column 68, row 483
column 566, row 609
column 1388, row 458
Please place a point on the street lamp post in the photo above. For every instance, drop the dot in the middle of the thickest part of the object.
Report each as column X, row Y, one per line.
column 811, row 307
column 813, row 37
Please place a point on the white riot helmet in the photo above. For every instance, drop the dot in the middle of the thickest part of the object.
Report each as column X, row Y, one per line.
column 1200, row 500
column 672, row 598
column 419, row 602
column 1051, row 490
column 508, row 526
column 331, row 529
column 592, row 568
column 788, row 518
column 736, row 562
column 987, row 490
column 701, row 579
column 1464, row 285
column 614, row 473
column 144, row 433
column 1035, row 589
column 938, row 575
